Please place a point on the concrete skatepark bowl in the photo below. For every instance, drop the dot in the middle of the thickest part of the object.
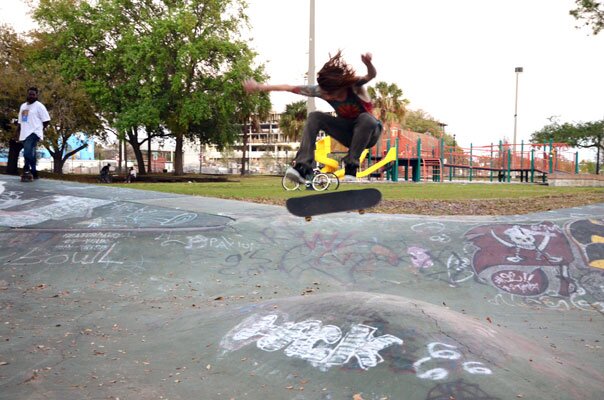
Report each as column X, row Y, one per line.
column 109, row 292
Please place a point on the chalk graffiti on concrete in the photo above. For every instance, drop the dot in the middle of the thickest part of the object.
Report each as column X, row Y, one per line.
column 10, row 198
column 442, row 351
column 459, row 269
column 592, row 282
column 323, row 346
column 123, row 215
column 239, row 257
column 36, row 250
column 249, row 263
column 420, row 257
column 588, row 235
column 538, row 263
column 192, row 242
column 31, row 212
column 338, row 256
column 80, row 248
column 529, row 260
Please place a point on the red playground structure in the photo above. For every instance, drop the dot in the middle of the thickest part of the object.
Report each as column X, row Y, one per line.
column 421, row 157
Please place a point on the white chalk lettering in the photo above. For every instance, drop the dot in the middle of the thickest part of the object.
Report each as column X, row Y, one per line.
column 310, row 340
column 471, row 367
column 38, row 256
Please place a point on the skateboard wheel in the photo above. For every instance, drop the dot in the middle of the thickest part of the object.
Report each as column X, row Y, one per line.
column 308, row 219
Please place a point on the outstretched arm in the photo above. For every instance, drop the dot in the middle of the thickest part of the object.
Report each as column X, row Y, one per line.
column 371, row 72
column 250, row 85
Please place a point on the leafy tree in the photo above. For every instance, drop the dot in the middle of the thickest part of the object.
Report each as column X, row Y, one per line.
column 591, row 13
column 13, row 79
column 71, row 115
column 12, row 92
column 582, row 134
column 292, row 120
column 587, row 167
column 162, row 65
column 422, row 122
column 96, row 45
column 67, row 103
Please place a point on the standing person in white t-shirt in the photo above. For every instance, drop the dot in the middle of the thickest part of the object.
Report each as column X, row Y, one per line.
column 131, row 175
column 33, row 118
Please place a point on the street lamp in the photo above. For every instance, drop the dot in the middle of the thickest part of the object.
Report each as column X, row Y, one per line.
column 518, row 70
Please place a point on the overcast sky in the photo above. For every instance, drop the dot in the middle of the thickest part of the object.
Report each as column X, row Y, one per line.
column 452, row 59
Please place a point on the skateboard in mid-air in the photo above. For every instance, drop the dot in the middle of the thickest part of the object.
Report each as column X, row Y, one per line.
column 348, row 200
column 27, row 177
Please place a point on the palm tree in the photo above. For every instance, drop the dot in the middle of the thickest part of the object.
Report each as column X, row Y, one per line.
column 292, row 120
column 252, row 109
column 389, row 104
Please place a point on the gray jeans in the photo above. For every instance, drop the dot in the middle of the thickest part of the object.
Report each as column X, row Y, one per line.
column 358, row 134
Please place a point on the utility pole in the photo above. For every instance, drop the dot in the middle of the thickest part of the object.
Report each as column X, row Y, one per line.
column 598, row 155
column 311, row 78
column 518, row 70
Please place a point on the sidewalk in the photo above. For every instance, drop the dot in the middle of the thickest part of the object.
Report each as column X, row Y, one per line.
column 109, row 292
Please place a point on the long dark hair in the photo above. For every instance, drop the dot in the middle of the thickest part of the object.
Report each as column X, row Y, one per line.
column 336, row 74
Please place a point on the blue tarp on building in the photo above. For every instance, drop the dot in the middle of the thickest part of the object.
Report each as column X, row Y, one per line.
column 73, row 142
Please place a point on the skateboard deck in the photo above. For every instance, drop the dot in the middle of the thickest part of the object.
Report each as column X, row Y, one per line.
column 349, row 200
column 27, row 177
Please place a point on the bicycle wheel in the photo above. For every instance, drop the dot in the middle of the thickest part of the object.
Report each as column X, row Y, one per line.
column 288, row 184
column 334, row 180
column 320, row 182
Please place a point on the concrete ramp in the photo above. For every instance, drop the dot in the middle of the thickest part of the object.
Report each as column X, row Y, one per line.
column 109, row 292
column 339, row 345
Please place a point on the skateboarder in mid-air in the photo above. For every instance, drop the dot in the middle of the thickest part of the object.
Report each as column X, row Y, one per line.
column 354, row 124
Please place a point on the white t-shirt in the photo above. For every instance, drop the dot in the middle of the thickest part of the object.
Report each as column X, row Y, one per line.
column 32, row 118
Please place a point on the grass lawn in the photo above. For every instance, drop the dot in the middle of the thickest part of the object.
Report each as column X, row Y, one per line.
column 269, row 187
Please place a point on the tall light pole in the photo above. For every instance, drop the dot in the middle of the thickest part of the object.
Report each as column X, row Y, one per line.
column 518, row 70
column 311, row 79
